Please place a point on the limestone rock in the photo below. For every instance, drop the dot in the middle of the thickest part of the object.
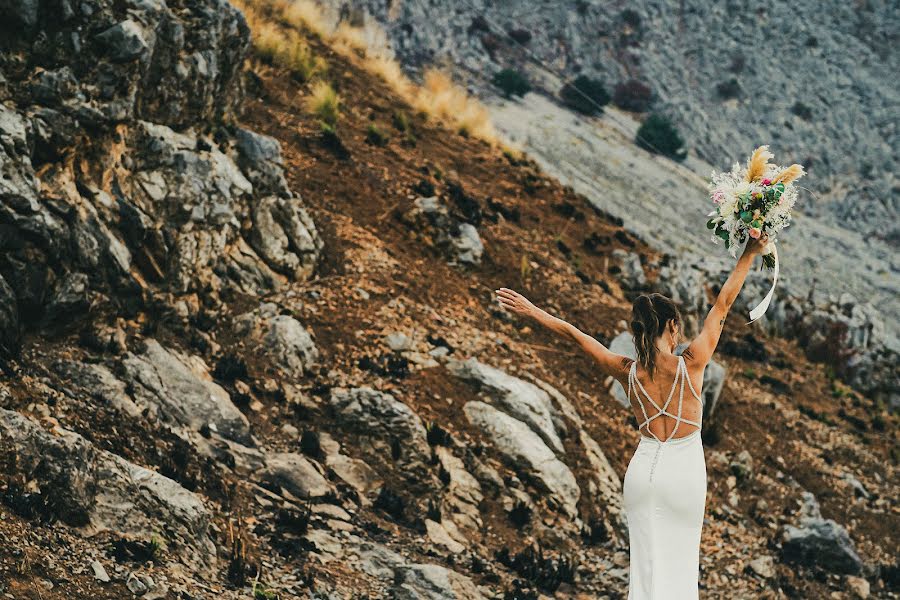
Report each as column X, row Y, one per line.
column 383, row 419
column 99, row 491
column 280, row 338
column 180, row 389
column 431, row 219
column 820, row 542
column 125, row 41
column 433, row 582
column 463, row 493
column 632, row 272
column 296, row 474
column 527, row 451
column 518, row 398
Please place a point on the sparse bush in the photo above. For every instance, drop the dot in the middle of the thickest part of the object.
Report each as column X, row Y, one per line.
column 390, row 502
column 375, row 136
column 347, row 39
column 229, row 368
column 522, row 36
column 729, row 89
column 520, row 514
column 287, row 50
column 302, row 14
column 400, row 121
column 324, row 103
column 631, row 18
column 261, row 592
column 586, row 95
column 658, row 134
column 512, row 83
column 437, row 435
column 546, row 572
column 802, row 111
column 633, row 95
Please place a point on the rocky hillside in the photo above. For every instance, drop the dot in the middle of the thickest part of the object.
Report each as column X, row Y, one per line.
column 811, row 78
column 840, row 257
column 248, row 356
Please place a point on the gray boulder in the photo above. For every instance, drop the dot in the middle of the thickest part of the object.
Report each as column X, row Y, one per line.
column 9, row 320
column 259, row 157
column 280, row 338
column 296, row 474
column 124, row 41
column 435, row 226
column 181, row 391
column 819, row 542
column 526, row 451
column 632, row 272
column 383, row 419
column 520, row 399
column 174, row 208
column 96, row 491
column 432, row 582
column 285, row 236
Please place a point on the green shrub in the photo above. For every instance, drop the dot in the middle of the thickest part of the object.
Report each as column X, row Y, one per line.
column 401, row 121
column 585, row 95
column 633, row 95
column 375, row 136
column 658, row 134
column 512, row 83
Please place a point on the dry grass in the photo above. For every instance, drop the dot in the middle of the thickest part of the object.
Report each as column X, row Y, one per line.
column 324, row 103
column 303, row 15
column 283, row 47
column 440, row 97
column 347, row 39
column 275, row 24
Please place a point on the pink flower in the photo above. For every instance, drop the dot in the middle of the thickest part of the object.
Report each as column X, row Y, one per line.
column 766, row 181
column 755, row 233
column 718, row 197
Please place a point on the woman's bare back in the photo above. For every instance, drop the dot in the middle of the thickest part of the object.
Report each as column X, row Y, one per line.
column 659, row 388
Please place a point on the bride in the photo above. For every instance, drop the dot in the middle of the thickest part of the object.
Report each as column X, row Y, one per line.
column 664, row 491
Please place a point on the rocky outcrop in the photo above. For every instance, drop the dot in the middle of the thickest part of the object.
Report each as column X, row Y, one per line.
column 603, row 41
column 295, row 474
column 280, row 338
column 386, row 421
column 181, row 391
column 433, row 582
column 851, row 336
column 527, row 452
column 520, row 399
column 163, row 195
column 819, row 542
column 97, row 491
column 432, row 223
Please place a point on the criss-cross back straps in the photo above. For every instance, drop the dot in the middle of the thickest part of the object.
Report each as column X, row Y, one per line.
column 680, row 373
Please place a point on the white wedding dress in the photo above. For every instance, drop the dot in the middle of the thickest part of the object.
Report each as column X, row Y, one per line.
column 665, row 498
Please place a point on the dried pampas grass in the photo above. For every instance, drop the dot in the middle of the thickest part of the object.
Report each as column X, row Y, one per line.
column 789, row 174
column 756, row 166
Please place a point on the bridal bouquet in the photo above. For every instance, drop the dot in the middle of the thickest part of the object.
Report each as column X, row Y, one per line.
column 750, row 201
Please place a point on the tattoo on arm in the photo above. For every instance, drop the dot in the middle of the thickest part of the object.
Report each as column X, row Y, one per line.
column 722, row 323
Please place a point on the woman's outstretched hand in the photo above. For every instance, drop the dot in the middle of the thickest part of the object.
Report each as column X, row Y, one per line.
column 516, row 302
column 756, row 246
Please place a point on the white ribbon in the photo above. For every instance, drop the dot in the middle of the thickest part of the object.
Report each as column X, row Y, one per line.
column 761, row 308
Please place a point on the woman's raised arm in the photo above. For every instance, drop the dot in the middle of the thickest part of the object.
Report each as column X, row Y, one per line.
column 702, row 347
column 610, row 362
